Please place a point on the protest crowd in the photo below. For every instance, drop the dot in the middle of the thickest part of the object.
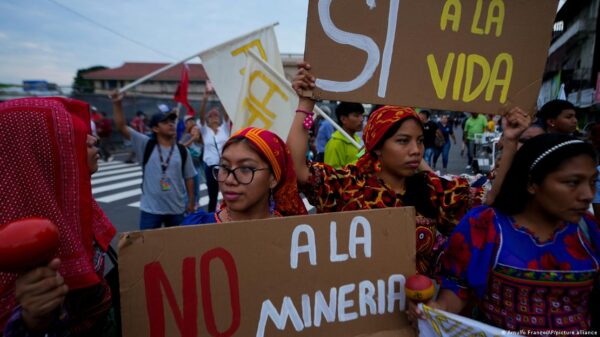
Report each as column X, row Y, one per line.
column 515, row 247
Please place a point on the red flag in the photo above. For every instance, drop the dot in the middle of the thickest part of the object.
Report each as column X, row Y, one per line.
column 181, row 94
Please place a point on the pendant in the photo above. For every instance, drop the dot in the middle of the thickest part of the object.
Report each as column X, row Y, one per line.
column 165, row 184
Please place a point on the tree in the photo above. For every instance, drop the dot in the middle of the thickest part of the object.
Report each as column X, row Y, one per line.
column 81, row 85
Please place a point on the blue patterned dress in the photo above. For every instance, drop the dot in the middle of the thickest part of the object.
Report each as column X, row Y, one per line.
column 519, row 281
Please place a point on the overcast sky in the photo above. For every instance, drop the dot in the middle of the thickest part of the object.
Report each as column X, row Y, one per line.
column 40, row 39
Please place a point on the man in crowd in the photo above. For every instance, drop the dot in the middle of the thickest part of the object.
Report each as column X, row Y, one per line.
column 339, row 151
column 167, row 169
column 476, row 124
column 430, row 129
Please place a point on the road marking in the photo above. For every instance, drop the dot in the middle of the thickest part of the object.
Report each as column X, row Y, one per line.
column 120, row 196
column 112, row 187
column 115, row 178
column 113, row 172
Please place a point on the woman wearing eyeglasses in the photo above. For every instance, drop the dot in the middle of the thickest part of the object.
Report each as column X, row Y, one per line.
column 257, row 180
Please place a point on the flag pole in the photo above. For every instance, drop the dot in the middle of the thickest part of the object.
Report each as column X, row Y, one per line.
column 316, row 108
column 169, row 66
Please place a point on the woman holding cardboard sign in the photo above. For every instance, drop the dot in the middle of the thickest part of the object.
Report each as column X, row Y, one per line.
column 530, row 261
column 257, row 179
column 387, row 174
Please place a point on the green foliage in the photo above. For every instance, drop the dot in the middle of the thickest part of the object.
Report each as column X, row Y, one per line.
column 81, row 85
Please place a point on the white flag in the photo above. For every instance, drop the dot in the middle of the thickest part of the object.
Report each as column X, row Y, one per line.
column 267, row 99
column 444, row 324
column 225, row 64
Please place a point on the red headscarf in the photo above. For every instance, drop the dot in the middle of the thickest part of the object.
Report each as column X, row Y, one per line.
column 274, row 149
column 378, row 124
column 44, row 173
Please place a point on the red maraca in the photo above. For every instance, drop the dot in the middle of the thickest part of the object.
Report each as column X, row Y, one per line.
column 27, row 243
column 419, row 288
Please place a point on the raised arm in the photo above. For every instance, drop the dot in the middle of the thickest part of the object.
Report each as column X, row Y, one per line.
column 514, row 124
column 202, row 110
column 119, row 116
column 297, row 139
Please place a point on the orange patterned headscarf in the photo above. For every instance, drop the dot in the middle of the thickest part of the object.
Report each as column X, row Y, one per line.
column 380, row 121
column 274, row 149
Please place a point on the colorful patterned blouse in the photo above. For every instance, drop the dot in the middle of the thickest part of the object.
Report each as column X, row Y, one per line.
column 440, row 203
column 521, row 283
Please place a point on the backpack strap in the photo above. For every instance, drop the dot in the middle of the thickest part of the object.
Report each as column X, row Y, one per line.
column 147, row 152
column 183, row 153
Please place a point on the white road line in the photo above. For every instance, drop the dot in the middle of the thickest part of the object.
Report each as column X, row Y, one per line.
column 120, row 196
column 135, row 204
column 110, row 173
column 114, row 162
column 113, row 167
column 115, row 178
column 116, row 186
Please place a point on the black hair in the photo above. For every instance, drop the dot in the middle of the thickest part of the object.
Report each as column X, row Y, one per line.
column 139, row 113
column 346, row 108
column 552, row 109
column 426, row 113
column 513, row 196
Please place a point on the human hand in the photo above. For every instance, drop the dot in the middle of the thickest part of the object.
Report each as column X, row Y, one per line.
column 40, row 292
column 191, row 207
column 514, row 123
column 116, row 97
column 303, row 79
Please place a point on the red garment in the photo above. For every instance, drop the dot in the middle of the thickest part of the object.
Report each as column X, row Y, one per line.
column 287, row 198
column 44, row 173
column 138, row 125
column 104, row 127
column 380, row 121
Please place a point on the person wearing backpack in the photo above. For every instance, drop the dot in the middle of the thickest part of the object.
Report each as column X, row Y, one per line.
column 168, row 171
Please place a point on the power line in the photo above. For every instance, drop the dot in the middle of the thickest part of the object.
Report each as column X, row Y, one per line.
column 111, row 30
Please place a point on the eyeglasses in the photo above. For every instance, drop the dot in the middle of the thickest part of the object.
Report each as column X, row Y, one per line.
column 243, row 175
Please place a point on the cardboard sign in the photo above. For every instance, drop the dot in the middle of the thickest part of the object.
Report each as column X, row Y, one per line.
column 476, row 55
column 337, row 274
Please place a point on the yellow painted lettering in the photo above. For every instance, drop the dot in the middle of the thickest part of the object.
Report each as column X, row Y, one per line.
column 258, row 107
column 495, row 16
column 505, row 61
column 451, row 12
column 458, row 76
column 244, row 49
column 470, row 94
column 475, row 29
column 440, row 83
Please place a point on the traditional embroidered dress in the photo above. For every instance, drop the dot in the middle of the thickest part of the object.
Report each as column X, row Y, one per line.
column 44, row 173
column 440, row 203
column 519, row 281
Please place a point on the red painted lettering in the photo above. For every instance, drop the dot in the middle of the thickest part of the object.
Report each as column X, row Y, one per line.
column 155, row 279
column 234, row 291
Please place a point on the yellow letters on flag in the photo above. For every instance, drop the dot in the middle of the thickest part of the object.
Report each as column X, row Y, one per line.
column 267, row 100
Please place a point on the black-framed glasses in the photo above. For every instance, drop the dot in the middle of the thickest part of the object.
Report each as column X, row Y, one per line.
column 243, row 175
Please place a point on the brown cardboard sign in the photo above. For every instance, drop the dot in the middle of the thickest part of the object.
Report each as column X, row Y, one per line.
column 476, row 55
column 337, row 274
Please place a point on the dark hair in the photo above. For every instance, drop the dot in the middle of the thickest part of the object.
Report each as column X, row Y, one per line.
column 548, row 151
column 552, row 109
column 426, row 113
column 139, row 113
column 346, row 108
